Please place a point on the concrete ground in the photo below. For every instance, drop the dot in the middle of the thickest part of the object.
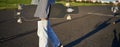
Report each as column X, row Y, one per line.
column 90, row 27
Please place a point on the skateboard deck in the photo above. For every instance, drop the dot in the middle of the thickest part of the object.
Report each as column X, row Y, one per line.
column 56, row 11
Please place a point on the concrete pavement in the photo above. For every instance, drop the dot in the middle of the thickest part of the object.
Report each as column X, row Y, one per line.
column 84, row 30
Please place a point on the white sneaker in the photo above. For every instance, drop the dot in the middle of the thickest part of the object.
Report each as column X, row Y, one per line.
column 113, row 23
column 60, row 45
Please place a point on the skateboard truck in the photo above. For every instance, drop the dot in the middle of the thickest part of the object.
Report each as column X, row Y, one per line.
column 19, row 20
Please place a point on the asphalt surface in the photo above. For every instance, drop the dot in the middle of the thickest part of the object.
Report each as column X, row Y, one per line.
column 90, row 27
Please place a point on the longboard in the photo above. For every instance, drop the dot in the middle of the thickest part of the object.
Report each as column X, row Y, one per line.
column 56, row 11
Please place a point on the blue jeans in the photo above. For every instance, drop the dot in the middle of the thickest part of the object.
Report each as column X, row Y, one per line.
column 46, row 33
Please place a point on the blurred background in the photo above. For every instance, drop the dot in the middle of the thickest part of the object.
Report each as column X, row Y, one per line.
column 13, row 3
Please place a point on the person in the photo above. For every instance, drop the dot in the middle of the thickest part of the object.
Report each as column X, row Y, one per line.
column 115, row 9
column 44, row 31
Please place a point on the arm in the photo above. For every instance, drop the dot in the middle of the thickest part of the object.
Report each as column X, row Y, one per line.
column 41, row 9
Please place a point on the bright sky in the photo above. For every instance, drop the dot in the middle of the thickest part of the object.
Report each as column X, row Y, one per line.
column 108, row 0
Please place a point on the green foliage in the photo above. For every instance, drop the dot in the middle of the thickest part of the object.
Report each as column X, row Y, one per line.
column 15, row 1
column 24, row 1
column 12, row 3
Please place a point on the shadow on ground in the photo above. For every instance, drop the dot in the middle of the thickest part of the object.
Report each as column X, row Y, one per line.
column 97, row 29
column 116, row 40
column 5, row 39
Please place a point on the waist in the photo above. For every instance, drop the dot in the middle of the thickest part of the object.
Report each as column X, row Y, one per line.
column 43, row 19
